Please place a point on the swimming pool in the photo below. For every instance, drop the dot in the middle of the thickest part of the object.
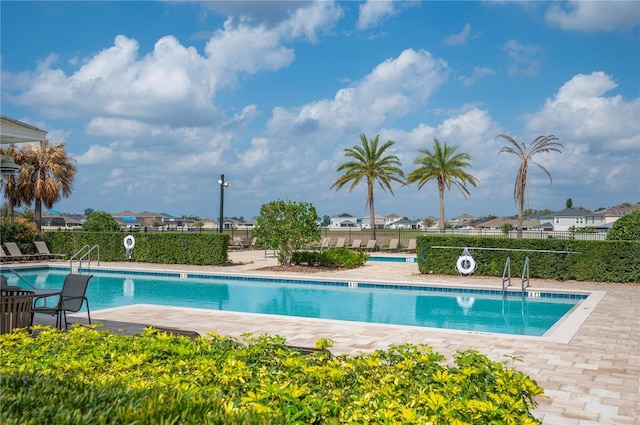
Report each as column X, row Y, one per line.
column 449, row 308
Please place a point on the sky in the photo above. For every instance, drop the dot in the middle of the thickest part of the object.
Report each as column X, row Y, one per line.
column 155, row 100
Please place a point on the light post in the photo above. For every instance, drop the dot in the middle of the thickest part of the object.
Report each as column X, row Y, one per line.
column 222, row 184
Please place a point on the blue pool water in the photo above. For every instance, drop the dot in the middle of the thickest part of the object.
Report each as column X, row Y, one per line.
column 471, row 310
column 383, row 259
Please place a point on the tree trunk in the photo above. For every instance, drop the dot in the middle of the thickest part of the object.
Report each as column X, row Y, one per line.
column 372, row 213
column 37, row 213
column 441, row 193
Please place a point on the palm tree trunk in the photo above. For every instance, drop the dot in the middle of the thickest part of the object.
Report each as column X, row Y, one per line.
column 441, row 196
column 372, row 212
column 520, row 215
column 37, row 213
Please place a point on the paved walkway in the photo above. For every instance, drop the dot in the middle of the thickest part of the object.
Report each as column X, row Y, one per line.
column 589, row 366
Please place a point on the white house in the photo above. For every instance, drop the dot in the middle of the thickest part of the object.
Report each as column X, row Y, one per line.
column 378, row 220
column 344, row 220
column 567, row 218
column 604, row 217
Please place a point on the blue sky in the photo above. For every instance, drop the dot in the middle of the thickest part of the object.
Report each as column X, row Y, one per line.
column 156, row 99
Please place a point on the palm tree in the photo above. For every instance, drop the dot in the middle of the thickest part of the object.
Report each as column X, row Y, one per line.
column 445, row 167
column 541, row 144
column 46, row 174
column 369, row 162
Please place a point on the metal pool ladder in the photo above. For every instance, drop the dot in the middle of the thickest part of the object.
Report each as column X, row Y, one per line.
column 506, row 275
column 86, row 253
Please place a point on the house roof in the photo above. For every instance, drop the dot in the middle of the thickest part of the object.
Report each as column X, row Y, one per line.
column 568, row 212
column 14, row 131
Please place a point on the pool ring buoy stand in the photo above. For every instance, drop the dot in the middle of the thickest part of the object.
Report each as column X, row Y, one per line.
column 129, row 242
column 466, row 264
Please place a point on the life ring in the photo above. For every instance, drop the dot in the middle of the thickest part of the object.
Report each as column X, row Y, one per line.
column 129, row 242
column 466, row 264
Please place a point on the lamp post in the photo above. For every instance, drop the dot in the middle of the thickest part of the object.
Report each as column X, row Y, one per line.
column 222, row 184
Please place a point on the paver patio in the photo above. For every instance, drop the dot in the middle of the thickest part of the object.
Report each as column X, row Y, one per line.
column 590, row 371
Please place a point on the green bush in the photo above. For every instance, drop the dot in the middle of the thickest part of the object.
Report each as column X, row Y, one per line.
column 100, row 221
column 598, row 261
column 626, row 228
column 89, row 376
column 163, row 248
column 334, row 257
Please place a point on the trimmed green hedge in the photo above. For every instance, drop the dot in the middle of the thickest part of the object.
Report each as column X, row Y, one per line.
column 333, row 257
column 86, row 376
column 163, row 248
column 598, row 261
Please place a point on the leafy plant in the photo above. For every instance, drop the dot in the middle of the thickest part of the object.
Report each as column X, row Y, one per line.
column 92, row 376
column 287, row 226
column 626, row 228
column 100, row 221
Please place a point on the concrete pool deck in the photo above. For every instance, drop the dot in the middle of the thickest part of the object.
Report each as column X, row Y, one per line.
column 589, row 369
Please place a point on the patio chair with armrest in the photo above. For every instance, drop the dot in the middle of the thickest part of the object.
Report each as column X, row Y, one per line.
column 71, row 299
column 4, row 285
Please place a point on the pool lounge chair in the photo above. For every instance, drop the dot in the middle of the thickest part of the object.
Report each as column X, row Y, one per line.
column 393, row 245
column 71, row 299
column 340, row 243
column 4, row 257
column 15, row 252
column 236, row 243
column 411, row 247
column 357, row 244
column 326, row 244
column 371, row 245
column 43, row 250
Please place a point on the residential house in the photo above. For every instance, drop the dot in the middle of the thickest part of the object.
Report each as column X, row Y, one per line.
column 567, row 218
column 390, row 219
column 404, row 223
column 379, row 222
column 603, row 218
column 344, row 220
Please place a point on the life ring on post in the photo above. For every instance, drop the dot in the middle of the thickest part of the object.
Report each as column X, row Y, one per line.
column 466, row 264
column 129, row 242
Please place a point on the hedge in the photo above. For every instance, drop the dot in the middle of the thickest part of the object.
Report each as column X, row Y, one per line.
column 163, row 248
column 597, row 261
column 86, row 376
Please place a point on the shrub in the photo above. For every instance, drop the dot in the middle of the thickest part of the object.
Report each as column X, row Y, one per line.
column 91, row 376
column 100, row 221
column 21, row 231
column 626, row 228
column 334, row 257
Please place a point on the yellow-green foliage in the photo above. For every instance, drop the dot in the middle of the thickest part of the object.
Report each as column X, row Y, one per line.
column 90, row 376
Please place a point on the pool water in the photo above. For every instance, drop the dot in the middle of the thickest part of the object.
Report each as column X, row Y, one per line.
column 470, row 310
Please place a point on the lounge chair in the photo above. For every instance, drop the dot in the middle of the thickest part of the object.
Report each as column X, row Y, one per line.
column 393, row 245
column 357, row 243
column 15, row 310
column 371, row 245
column 15, row 252
column 236, row 243
column 71, row 298
column 4, row 257
column 340, row 243
column 326, row 244
column 411, row 247
column 43, row 250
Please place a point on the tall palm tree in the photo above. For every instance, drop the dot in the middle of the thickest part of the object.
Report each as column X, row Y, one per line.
column 370, row 163
column 541, row 144
column 46, row 175
column 446, row 167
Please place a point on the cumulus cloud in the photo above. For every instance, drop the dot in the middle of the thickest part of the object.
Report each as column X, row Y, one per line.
column 582, row 112
column 461, row 38
column 394, row 88
column 257, row 154
column 526, row 58
column 96, row 154
column 374, row 12
column 593, row 15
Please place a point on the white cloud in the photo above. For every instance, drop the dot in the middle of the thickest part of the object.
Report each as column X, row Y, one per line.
column 95, row 155
column 526, row 58
column 594, row 15
column 477, row 75
column 583, row 113
column 373, row 12
column 461, row 38
column 257, row 154
column 394, row 87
